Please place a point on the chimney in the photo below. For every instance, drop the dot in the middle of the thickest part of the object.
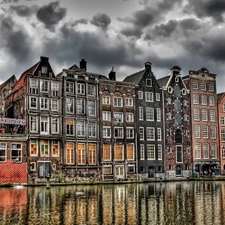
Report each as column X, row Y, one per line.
column 175, row 70
column 112, row 74
column 83, row 64
column 44, row 59
column 148, row 66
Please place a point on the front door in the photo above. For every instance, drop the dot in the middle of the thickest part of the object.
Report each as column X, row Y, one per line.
column 119, row 172
column 151, row 172
column 178, row 171
column 44, row 169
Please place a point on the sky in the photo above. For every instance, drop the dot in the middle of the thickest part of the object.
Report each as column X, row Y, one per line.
column 123, row 34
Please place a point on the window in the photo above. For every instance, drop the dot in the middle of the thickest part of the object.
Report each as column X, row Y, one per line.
column 149, row 82
column 130, row 169
column 44, row 69
column 92, row 154
column 118, row 117
column 44, row 148
column 178, row 121
column 16, row 152
column 106, row 132
column 69, row 153
column 80, row 89
column 197, row 131
column 129, row 117
column 33, row 86
column 150, row 133
column 202, row 87
column 203, row 99
column 211, row 87
column 129, row 101
column 130, row 132
column 81, row 128
column 213, row 151
column 80, row 154
column 91, row 90
column 107, row 170
column 141, row 113
column 33, row 102
column 44, row 103
column 142, row 152
column 44, row 125
column 118, row 132
column 140, row 94
column 198, row 151
column 141, row 133
column 106, row 116
column 33, row 123
column 69, row 105
column 3, row 154
column 159, row 152
column 177, row 105
column 159, row 135
column 206, row 151
column 149, row 114
column 106, row 100
column 194, row 86
column 223, row 135
column 55, row 105
column 55, row 148
column 107, row 152
column 212, row 115
column 80, row 106
column 69, row 126
column 196, row 114
column 130, row 151
column 55, row 88
column 118, row 102
column 69, row 87
column 91, row 108
column 205, row 131
column 222, row 120
column 149, row 97
column 204, row 115
column 178, row 136
column 158, row 114
column 55, row 125
column 118, row 152
column 179, row 154
column 177, row 91
column 44, row 86
column 157, row 96
column 92, row 129
column 150, row 152
column 223, row 151
column 195, row 99
column 211, row 101
column 213, row 132
column 33, row 147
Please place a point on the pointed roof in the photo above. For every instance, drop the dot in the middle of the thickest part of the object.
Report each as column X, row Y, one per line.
column 220, row 96
column 163, row 81
column 13, row 77
column 134, row 78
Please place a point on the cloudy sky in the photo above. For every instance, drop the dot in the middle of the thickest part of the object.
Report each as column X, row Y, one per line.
column 120, row 33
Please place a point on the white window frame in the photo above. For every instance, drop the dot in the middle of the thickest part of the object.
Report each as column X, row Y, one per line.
column 130, row 132
column 118, row 132
column 107, row 132
column 81, row 88
column 34, row 100
column 149, row 96
column 129, row 101
column 117, row 102
column 150, row 133
column 44, row 125
column 129, row 117
column 44, row 103
column 106, row 116
column 118, row 117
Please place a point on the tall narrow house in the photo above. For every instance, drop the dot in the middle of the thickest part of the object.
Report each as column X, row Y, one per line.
column 176, row 100
column 149, row 123
column 36, row 98
column 205, row 139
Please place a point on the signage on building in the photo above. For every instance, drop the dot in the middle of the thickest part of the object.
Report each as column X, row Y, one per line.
column 13, row 121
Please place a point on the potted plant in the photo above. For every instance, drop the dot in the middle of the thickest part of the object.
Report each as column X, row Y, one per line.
column 2, row 130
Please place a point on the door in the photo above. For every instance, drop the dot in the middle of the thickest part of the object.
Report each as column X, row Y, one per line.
column 44, row 169
column 151, row 172
column 119, row 172
column 178, row 171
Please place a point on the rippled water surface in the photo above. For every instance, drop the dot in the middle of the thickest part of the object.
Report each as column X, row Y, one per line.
column 153, row 203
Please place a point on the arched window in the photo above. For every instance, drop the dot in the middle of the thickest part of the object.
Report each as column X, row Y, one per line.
column 178, row 136
column 177, row 91
column 178, row 119
column 177, row 105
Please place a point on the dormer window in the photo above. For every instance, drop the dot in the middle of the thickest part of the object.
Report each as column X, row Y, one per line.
column 149, row 82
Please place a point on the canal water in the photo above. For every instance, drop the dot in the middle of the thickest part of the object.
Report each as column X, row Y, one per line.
column 148, row 203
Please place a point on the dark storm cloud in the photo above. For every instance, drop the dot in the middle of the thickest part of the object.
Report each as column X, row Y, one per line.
column 207, row 8
column 51, row 14
column 15, row 39
column 80, row 21
column 24, row 11
column 101, row 20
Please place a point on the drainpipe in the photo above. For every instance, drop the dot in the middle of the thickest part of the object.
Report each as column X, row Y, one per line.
column 136, row 156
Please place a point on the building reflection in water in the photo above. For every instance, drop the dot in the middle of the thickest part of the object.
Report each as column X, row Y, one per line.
column 152, row 203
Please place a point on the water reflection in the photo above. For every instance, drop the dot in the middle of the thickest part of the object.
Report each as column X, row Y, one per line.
column 153, row 203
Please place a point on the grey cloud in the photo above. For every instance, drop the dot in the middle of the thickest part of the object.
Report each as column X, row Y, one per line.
column 51, row 14
column 82, row 21
column 101, row 20
column 23, row 10
column 207, row 8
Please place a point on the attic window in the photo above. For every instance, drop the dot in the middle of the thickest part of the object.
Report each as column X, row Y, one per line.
column 203, row 75
column 43, row 69
column 149, row 82
column 91, row 79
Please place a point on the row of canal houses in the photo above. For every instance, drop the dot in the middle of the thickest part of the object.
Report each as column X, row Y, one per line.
column 83, row 125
